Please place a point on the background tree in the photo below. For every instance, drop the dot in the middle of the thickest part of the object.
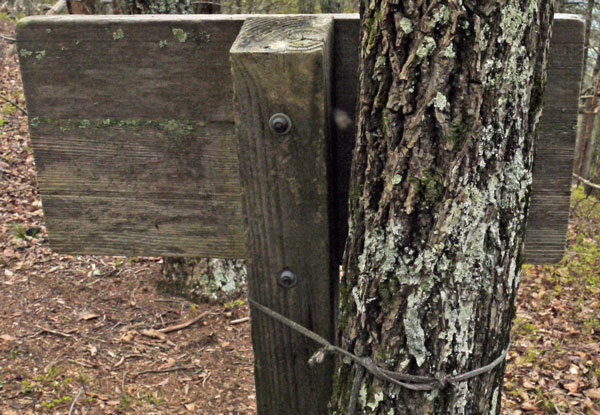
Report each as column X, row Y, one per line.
column 450, row 93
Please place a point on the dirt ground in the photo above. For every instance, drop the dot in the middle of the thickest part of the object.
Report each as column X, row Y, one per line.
column 87, row 329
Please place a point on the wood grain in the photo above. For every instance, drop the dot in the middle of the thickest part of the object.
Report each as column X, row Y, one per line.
column 282, row 65
column 547, row 224
column 135, row 68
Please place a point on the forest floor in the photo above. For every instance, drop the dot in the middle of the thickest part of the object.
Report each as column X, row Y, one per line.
column 85, row 329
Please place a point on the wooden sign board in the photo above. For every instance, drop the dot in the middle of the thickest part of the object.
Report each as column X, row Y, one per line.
column 132, row 127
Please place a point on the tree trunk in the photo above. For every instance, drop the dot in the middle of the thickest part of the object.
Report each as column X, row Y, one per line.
column 450, row 96
column 594, row 168
column 204, row 280
column 330, row 6
column 585, row 138
column 306, row 6
column 589, row 15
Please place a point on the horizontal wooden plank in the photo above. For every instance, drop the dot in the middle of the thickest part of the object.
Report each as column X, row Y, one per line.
column 96, row 87
column 80, row 70
column 136, row 226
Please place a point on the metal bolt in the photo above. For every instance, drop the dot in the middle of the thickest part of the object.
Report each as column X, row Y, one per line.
column 280, row 123
column 287, row 279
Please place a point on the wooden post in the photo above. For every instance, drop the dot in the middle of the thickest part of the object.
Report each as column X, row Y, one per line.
column 281, row 65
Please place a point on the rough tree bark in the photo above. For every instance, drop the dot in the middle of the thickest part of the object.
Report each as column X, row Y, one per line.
column 585, row 136
column 450, row 96
column 589, row 15
column 594, row 168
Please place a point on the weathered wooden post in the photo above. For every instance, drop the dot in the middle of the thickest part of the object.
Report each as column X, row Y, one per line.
column 281, row 70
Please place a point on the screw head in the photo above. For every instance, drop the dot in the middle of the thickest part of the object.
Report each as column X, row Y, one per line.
column 287, row 279
column 280, row 123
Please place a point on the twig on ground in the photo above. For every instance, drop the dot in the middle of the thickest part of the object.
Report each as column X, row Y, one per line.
column 182, row 325
column 8, row 39
column 76, row 399
column 170, row 300
column 123, row 382
column 81, row 363
column 239, row 320
column 151, row 344
column 123, row 358
column 172, row 369
column 47, row 330
column 17, row 106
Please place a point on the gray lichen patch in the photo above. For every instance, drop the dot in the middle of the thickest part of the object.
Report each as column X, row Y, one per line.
column 406, row 25
column 440, row 101
column 415, row 335
column 118, row 34
column 426, row 47
column 25, row 53
column 37, row 54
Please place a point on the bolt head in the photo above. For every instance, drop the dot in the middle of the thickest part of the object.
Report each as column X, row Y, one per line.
column 280, row 123
column 287, row 279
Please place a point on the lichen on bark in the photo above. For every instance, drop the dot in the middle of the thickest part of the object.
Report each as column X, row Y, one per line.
column 204, row 280
column 450, row 96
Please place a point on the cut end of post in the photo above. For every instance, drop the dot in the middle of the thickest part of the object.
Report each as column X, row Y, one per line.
column 283, row 34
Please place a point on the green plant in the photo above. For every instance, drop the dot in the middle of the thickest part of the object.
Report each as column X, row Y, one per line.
column 544, row 403
column 532, row 355
column 9, row 109
column 5, row 17
column 51, row 404
column 153, row 398
column 26, row 387
column 125, row 402
column 233, row 304
column 19, row 231
column 591, row 325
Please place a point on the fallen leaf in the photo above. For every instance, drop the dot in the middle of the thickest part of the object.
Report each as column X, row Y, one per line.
column 8, row 338
column 592, row 393
column 93, row 350
column 88, row 316
column 127, row 337
column 572, row 387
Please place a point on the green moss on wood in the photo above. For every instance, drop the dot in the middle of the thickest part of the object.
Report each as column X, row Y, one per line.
column 118, row 34
column 180, row 34
column 25, row 53
column 459, row 133
column 171, row 127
